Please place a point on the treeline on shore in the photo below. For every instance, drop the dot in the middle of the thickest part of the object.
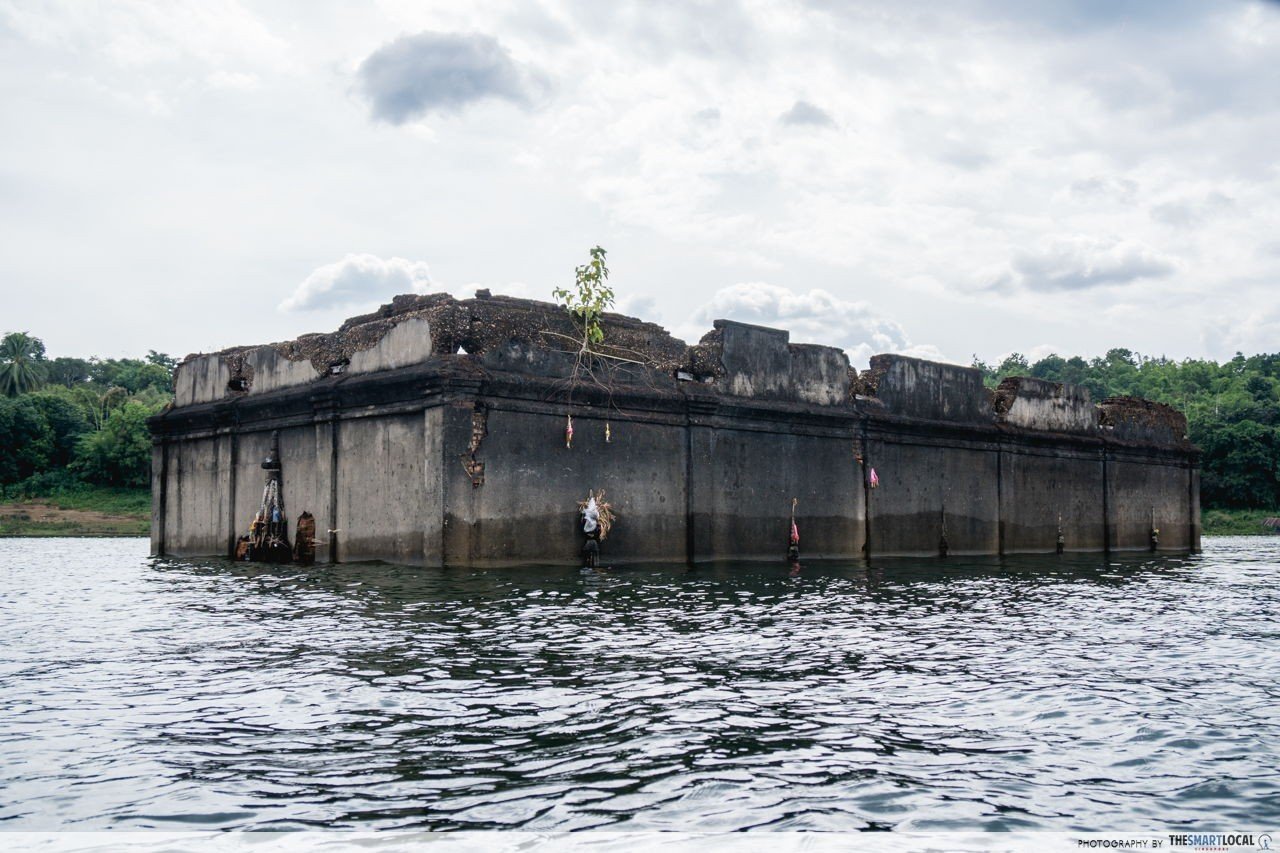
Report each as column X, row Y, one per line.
column 68, row 422
column 73, row 423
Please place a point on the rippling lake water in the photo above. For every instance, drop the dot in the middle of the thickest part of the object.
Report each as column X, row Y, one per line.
column 1061, row 693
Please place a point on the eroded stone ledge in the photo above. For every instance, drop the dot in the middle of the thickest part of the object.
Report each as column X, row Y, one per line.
column 733, row 360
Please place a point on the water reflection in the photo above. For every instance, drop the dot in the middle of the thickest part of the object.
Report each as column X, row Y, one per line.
column 1057, row 692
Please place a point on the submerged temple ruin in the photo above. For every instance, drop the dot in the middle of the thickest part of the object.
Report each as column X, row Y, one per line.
column 440, row 431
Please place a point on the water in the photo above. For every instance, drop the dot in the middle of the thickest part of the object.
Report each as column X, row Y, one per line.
column 1070, row 693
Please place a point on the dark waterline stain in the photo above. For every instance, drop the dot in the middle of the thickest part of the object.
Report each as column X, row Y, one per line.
column 1059, row 693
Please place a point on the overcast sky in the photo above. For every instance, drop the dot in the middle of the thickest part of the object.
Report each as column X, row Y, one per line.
column 943, row 179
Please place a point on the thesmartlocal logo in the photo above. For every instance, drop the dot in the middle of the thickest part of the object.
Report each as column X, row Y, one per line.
column 1207, row 841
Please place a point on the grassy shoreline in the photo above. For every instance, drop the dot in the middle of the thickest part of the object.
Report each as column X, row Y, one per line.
column 86, row 511
column 1236, row 522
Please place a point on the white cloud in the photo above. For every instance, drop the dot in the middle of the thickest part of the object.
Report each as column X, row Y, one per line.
column 642, row 306
column 1189, row 211
column 1080, row 261
column 1243, row 330
column 232, row 80
column 357, row 280
column 1104, row 188
column 136, row 34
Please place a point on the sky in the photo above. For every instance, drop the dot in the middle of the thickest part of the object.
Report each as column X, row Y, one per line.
column 946, row 180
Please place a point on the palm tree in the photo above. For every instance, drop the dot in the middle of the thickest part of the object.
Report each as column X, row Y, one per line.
column 22, row 366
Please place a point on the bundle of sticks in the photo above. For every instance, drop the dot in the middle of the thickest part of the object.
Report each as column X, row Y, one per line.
column 603, row 511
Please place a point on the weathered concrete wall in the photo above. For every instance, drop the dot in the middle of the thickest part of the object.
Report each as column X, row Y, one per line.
column 524, row 510
column 305, row 477
column 271, row 371
column 196, row 490
column 702, row 491
column 1039, row 486
column 1029, row 403
column 200, row 379
column 1145, row 494
column 159, row 495
column 413, row 453
column 381, row 488
column 743, row 482
column 434, row 489
column 820, row 374
column 251, row 449
column 1193, row 519
column 915, row 388
column 406, row 343
column 758, row 362
column 924, row 485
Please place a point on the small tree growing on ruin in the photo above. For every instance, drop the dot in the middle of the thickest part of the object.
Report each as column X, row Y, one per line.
column 590, row 297
column 586, row 301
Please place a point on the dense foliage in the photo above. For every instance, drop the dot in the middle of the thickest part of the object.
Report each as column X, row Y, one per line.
column 69, row 422
column 1233, row 410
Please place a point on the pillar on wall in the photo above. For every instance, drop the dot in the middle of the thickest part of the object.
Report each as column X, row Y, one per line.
column 1000, row 499
column 325, row 412
column 434, row 486
column 335, row 522
column 700, row 494
column 1108, row 503
column 159, row 495
column 864, row 471
column 1193, row 507
column 229, row 451
column 459, row 503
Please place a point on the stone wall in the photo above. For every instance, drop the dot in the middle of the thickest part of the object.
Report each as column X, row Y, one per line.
column 928, row 485
column 381, row 483
column 914, row 388
column 1049, row 406
column 407, row 450
column 524, row 511
column 742, row 482
column 1043, row 488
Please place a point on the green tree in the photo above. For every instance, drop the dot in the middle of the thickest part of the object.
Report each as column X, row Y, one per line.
column 1051, row 367
column 66, row 420
column 22, row 364
column 26, row 441
column 98, row 403
column 1261, row 387
column 988, row 373
column 120, row 453
column 1241, row 467
column 590, row 297
column 69, row 371
column 162, row 359
column 134, row 376
column 1014, row 364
